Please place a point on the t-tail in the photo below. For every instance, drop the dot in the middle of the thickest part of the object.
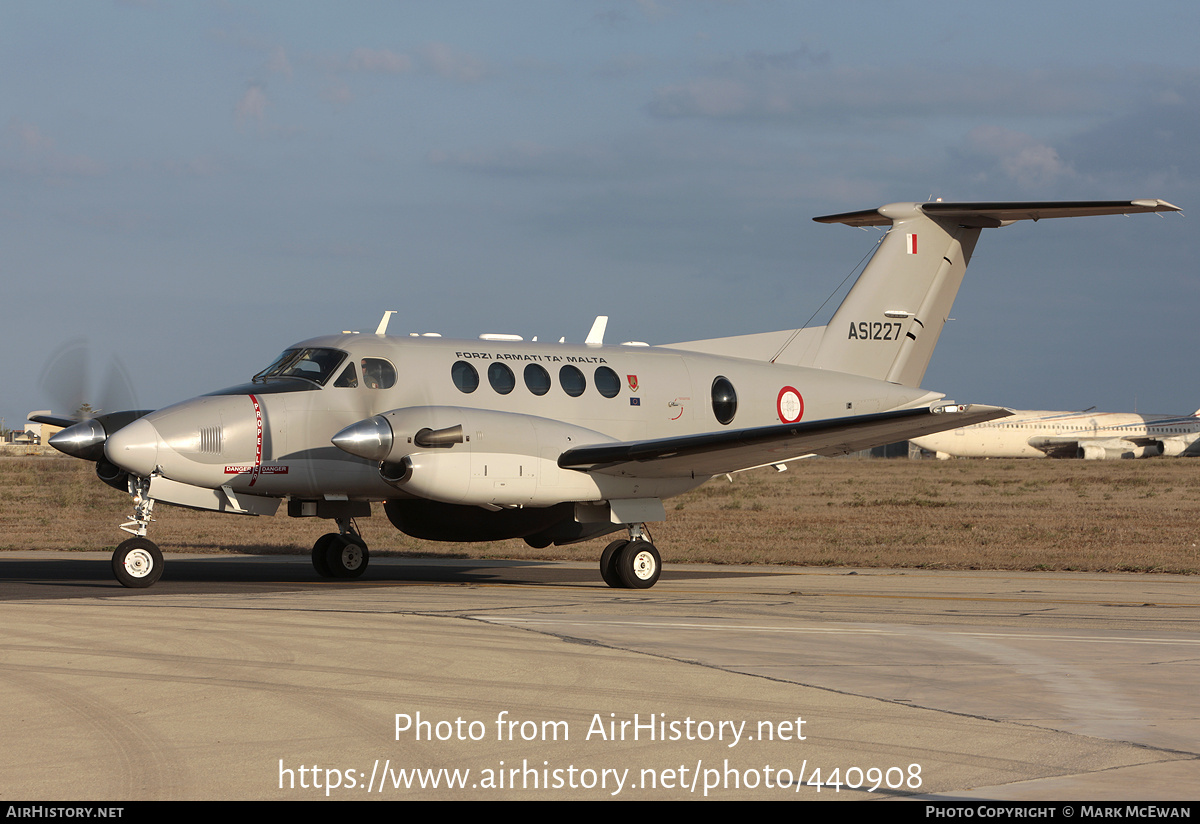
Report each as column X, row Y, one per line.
column 889, row 323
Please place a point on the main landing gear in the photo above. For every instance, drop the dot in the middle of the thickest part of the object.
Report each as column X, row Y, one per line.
column 631, row 564
column 340, row 554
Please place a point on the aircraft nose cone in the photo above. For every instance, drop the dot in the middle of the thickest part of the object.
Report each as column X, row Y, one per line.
column 83, row 440
column 370, row 439
column 134, row 448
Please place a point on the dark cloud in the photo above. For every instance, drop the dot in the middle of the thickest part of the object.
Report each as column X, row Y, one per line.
column 1155, row 141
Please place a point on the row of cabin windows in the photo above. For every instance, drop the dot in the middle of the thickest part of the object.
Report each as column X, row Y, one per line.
column 537, row 379
column 573, row 382
column 317, row 364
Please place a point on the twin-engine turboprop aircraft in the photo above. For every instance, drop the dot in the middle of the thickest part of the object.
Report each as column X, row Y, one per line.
column 483, row 440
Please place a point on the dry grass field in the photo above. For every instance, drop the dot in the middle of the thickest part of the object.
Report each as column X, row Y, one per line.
column 1135, row 516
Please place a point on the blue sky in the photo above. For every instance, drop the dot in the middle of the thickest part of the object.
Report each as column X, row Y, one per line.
column 194, row 186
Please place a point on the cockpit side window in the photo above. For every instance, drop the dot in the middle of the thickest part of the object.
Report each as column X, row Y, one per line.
column 378, row 373
column 349, row 377
column 314, row 364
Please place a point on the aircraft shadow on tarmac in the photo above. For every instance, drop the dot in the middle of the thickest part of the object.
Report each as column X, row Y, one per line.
column 66, row 577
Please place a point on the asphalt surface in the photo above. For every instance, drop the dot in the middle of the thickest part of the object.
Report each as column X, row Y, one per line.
column 252, row 678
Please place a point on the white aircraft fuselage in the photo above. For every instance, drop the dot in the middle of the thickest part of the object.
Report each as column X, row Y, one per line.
column 272, row 438
column 1091, row 435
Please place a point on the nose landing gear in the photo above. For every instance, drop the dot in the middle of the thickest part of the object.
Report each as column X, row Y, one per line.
column 138, row 562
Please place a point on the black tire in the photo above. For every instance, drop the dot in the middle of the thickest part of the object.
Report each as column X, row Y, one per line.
column 347, row 556
column 608, row 564
column 137, row 563
column 319, row 552
column 639, row 565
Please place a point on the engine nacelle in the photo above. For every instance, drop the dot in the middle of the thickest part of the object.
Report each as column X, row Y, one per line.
column 492, row 459
column 1177, row 447
column 112, row 475
column 459, row 455
column 1109, row 452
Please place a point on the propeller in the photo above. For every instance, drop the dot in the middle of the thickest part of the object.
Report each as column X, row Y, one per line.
column 99, row 412
column 67, row 380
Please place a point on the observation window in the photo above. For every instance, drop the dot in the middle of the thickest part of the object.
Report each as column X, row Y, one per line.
column 464, row 376
column 501, row 377
column 572, row 381
column 537, row 379
column 607, row 382
column 724, row 400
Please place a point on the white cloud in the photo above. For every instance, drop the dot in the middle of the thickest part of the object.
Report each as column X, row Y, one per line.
column 1019, row 156
column 451, row 64
column 279, row 63
column 253, row 105
column 40, row 156
column 381, row 61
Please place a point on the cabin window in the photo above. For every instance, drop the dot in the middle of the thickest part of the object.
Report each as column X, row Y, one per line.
column 572, row 380
column 378, row 373
column 501, row 377
column 724, row 400
column 465, row 377
column 537, row 379
column 607, row 382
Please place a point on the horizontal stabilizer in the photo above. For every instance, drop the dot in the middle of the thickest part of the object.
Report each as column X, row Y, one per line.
column 987, row 215
column 716, row 453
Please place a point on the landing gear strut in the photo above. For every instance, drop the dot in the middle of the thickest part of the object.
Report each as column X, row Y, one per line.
column 341, row 554
column 631, row 564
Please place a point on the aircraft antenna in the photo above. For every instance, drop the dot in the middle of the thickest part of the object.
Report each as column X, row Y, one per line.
column 804, row 325
column 595, row 337
column 381, row 329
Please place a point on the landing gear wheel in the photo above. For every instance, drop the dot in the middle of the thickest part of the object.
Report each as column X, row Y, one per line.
column 319, row 551
column 608, row 564
column 137, row 563
column 639, row 565
column 347, row 556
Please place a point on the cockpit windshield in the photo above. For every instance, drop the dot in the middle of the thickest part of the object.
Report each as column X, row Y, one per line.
column 313, row 364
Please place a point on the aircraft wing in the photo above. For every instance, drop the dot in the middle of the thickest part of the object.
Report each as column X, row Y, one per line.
column 53, row 420
column 717, row 453
column 1056, row 447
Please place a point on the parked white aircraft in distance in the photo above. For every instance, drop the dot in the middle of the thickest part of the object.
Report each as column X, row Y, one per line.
column 1091, row 435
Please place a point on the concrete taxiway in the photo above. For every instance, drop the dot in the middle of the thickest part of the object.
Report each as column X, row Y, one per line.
column 248, row 677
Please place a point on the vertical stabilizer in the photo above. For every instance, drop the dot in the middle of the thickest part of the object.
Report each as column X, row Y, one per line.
column 889, row 323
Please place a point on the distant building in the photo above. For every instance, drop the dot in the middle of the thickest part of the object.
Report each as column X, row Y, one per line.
column 33, row 433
